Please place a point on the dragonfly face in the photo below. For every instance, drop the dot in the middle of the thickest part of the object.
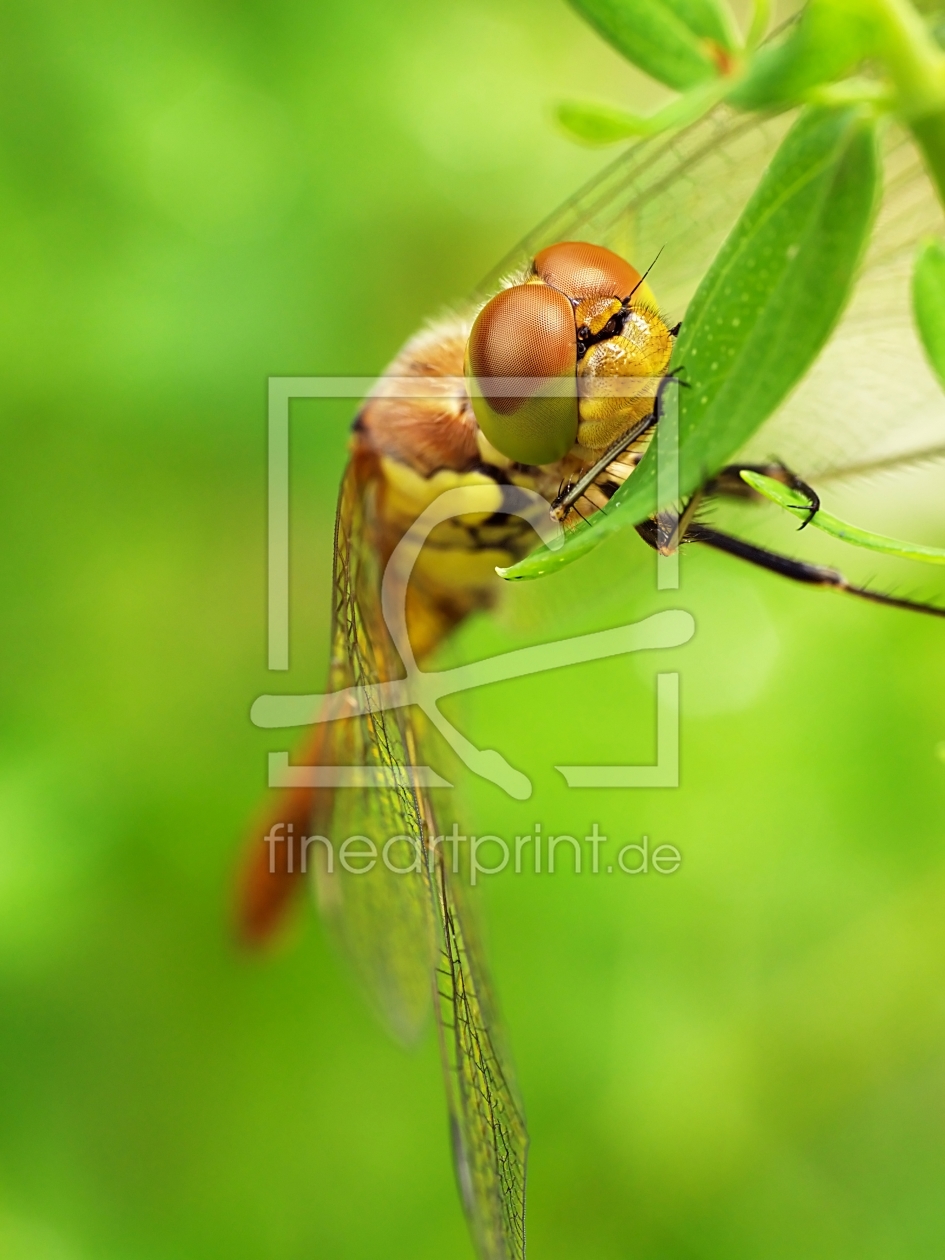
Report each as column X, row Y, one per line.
column 581, row 313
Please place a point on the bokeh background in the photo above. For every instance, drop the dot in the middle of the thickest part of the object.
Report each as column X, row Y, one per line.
column 743, row 1059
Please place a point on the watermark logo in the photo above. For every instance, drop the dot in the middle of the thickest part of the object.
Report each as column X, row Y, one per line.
column 425, row 688
column 535, row 853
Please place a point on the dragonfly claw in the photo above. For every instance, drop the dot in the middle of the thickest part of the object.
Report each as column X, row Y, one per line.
column 812, row 506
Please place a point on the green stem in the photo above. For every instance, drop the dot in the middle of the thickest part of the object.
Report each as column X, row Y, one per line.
column 915, row 62
column 917, row 67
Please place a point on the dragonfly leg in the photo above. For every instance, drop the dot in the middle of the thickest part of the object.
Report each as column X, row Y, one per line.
column 786, row 566
column 672, row 528
column 575, row 491
column 728, row 482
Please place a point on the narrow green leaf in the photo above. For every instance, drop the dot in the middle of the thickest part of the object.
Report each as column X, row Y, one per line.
column 777, row 287
column 796, row 503
column 599, row 124
column 761, row 314
column 928, row 302
column 654, row 37
column 602, row 124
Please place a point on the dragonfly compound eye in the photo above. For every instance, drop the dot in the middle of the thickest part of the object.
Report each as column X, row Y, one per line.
column 524, row 332
column 580, row 270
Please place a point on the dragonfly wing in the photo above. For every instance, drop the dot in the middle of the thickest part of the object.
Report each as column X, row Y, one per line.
column 379, row 909
column 679, row 193
column 871, row 394
column 376, row 899
column 490, row 1140
column 406, row 929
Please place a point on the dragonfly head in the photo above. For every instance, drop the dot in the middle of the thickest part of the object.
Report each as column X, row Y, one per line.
column 583, row 314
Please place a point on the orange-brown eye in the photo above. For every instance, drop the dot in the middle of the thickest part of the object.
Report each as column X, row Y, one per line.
column 580, row 270
column 526, row 331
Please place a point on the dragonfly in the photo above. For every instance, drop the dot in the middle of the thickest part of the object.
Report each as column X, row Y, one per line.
column 411, row 937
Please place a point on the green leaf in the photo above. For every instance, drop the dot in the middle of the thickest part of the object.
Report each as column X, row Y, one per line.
column 602, row 124
column 599, row 124
column 761, row 314
column 796, row 503
column 776, row 289
column 710, row 19
column 928, row 303
column 827, row 43
column 655, row 37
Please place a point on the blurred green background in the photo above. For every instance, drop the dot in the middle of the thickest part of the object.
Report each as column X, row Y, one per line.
column 741, row 1060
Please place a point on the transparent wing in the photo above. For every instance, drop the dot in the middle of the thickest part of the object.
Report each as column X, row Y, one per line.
column 408, row 932
column 679, row 193
column 871, row 395
column 490, row 1140
column 381, row 916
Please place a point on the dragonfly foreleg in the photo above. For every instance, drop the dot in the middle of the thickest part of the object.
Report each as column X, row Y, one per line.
column 673, row 527
column 728, row 482
column 564, row 502
column 787, row 566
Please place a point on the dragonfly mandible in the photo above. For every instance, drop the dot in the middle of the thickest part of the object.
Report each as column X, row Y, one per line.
column 674, row 196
